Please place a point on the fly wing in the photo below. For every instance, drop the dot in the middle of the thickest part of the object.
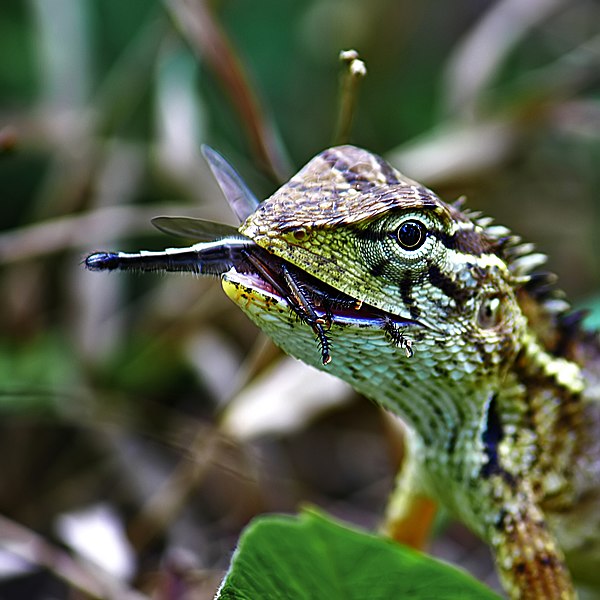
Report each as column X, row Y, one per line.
column 199, row 230
column 241, row 200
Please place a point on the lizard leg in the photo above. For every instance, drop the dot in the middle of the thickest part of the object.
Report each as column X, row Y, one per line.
column 410, row 512
column 412, row 525
column 529, row 561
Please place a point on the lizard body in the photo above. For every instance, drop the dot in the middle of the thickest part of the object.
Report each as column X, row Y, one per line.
column 443, row 318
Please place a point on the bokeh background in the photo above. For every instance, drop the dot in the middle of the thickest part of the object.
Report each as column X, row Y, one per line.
column 143, row 419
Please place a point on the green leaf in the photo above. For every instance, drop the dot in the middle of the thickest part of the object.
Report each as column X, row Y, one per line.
column 313, row 557
column 36, row 374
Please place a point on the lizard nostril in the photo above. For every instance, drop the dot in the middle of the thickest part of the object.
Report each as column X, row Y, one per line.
column 300, row 234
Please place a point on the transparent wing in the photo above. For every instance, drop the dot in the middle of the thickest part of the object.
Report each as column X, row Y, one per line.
column 195, row 229
column 241, row 200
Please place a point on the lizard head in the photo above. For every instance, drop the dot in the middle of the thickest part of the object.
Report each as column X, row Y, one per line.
column 379, row 261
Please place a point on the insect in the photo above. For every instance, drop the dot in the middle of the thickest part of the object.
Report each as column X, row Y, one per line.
column 221, row 247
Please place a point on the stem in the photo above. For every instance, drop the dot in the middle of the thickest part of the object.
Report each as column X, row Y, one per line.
column 355, row 71
column 200, row 28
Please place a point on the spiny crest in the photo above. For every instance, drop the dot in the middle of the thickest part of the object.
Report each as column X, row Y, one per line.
column 541, row 300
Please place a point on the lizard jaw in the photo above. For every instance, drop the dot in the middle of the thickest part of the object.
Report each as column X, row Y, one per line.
column 265, row 302
column 247, row 287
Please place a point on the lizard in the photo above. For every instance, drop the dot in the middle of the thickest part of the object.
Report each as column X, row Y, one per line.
column 444, row 318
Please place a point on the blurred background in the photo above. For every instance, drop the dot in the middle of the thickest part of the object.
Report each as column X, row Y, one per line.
column 144, row 421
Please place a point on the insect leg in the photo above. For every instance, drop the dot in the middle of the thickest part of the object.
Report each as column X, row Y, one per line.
column 306, row 311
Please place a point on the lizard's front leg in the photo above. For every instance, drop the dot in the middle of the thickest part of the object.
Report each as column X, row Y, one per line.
column 529, row 561
column 410, row 511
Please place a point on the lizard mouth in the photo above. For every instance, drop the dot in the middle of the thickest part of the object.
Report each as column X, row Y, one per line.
column 314, row 302
column 263, row 278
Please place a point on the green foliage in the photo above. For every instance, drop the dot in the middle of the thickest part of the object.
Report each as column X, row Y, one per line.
column 35, row 374
column 311, row 556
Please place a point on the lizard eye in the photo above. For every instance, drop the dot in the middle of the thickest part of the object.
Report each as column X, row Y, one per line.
column 411, row 235
column 489, row 314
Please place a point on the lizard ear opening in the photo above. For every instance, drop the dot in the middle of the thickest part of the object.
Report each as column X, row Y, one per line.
column 490, row 312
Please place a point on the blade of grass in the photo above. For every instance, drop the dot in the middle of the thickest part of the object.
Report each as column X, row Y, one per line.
column 201, row 30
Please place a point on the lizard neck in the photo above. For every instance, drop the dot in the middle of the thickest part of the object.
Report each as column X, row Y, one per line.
column 543, row 421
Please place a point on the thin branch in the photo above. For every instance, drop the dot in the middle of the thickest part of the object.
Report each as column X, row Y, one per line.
column 461, row 148
column 200, row 28
column 166, row 503
column 480, row 53
column 9, row 138
column 79, row 231
column 36, row 550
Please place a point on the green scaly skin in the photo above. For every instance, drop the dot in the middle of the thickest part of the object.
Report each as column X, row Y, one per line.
column 444, row 319
column 491, row 373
